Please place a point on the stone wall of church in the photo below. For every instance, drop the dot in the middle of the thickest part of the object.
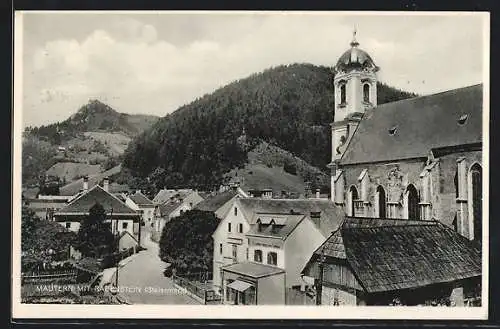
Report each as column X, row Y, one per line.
column 445, row 201
column 394, row 177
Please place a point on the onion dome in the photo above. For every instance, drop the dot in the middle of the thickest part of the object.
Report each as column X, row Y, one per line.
column 355, row 58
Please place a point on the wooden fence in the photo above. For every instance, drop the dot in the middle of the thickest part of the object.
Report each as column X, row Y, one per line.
column 200, row 285
column 40, row 276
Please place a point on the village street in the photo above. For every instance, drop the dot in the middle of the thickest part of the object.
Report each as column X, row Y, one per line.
column 141, row 281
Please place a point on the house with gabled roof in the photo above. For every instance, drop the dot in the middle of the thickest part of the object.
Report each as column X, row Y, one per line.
column 372, row 261
column 120, row 216
column 268, row 236
column 141, row 203
column 173, row 204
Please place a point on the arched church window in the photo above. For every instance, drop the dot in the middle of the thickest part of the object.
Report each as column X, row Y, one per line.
column 477, row 209
column 366, row 93
column 455, row 182
column 381, row 202
column 353, row 193
column 342, row 94
column 413, row 207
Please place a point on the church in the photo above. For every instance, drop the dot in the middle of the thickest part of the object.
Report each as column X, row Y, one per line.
column 408, row 176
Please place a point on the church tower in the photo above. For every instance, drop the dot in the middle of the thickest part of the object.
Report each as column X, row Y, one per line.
column 355, row 87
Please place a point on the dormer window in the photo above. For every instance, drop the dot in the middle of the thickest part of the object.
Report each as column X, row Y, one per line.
column 392, row 130
column 463, row 119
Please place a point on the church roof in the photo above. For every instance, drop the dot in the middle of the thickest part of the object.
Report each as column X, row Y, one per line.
column 355, row 58
column 411, row 128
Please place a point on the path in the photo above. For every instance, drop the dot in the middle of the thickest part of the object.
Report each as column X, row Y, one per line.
column 141, row 281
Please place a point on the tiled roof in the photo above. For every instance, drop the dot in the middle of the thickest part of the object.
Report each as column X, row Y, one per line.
column 167, row 208
column 330, row 215
column 420, row 124
column 96, row 194
column 253, row 270
column 389, row 256
column 140, row 199
column 212, row 203
column 166, row 195
column 334, row 245
column 279, row 231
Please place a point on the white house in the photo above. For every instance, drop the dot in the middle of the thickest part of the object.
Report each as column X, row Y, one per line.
column 142, row 204
column 237, row 238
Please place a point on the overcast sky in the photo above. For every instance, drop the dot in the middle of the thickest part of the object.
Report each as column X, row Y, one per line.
column 153, row 63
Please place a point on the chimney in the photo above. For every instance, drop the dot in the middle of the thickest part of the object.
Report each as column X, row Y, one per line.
column 85, row 183
column 106, row 184
column 317, row 193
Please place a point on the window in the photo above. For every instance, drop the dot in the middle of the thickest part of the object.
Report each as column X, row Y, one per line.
column 235, row 251
column 476, row 193
column 342, row 94
column 229, row 227
column 68, row 224
column 272, row 258
column 235, row 211
column 353, row 195
column 366, row 93
column 247, row 255
column 381, row 202
column 413, row 200
column 257, row 256
column 124, row 225
column 455, row 182
column 240, row 228
column 220, row 248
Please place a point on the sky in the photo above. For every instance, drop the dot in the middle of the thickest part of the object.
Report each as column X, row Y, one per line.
column 155, row 62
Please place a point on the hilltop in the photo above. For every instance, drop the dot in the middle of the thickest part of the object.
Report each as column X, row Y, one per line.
column 89, row 142
column 289, row 107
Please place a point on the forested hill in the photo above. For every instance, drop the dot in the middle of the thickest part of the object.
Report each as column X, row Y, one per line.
column 93, row 116
column 288, row 106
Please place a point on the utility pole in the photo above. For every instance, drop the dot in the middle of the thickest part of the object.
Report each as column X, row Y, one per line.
column 319, row 281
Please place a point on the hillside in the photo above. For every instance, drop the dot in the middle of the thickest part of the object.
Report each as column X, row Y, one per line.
column 93, row 116
column 90, row 141
column 287, row 106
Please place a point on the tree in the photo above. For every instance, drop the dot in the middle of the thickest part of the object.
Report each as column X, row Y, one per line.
column 186, row 241
column 28, row 226
column 94, row 237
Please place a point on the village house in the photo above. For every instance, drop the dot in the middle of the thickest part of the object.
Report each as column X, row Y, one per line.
column 373, row 261
column 142, row 204
column 44, row 206
column 259, row 238
column 121, row 217
column 173, row 203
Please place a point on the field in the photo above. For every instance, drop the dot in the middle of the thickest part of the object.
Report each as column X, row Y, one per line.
column 70, row 171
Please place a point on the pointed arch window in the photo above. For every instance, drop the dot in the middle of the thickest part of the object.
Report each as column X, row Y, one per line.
column 353, row 196
column 412, row 204
column 476, row 183
column 381, row 200
column 366, row 93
